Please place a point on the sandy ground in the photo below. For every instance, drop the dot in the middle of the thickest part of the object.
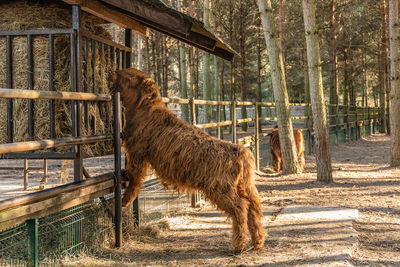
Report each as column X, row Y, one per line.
column 363, row 181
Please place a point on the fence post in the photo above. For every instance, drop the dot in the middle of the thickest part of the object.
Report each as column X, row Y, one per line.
column 257, row 136
column 355, row 107
column 233, row 117
column 309, row 123
column 26, row 175
column 337, row 123
column 219, row 117
column 117, row 170
column 195, row 198
column 76, row 72
column 347, row 123
column 33, row 237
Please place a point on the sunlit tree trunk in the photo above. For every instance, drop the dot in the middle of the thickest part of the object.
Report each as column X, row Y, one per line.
column 323, row 156
column 281, row 29
column 207, row 90
column 333, row 88
column 287, row 144
column 395, row 82
column 383, row 68
column 259, row 70
column 148, row 62
column 164, row 62
column 182, row 60
column 242, row 52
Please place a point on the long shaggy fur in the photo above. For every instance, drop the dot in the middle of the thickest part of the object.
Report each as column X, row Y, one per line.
column 276, row 148
column 186, row 157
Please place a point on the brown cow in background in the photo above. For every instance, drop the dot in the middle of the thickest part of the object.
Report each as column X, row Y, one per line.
column 276, row 148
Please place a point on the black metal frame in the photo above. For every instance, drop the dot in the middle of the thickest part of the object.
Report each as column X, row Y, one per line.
column 80, row 43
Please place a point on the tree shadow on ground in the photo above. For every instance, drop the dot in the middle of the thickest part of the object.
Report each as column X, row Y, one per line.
column 316, row 184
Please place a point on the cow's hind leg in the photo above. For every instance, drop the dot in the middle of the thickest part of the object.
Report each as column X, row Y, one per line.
column 256, row 229
column 236, row 207
column 136, row 175
column 276, row 162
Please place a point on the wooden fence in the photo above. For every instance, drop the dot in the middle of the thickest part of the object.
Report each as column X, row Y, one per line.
column 342, row 117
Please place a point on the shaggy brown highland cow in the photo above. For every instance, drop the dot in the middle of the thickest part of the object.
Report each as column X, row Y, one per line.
column 186, row 157
column 276, row 148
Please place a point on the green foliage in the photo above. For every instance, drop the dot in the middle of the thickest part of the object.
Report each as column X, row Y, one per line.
column 358, row 31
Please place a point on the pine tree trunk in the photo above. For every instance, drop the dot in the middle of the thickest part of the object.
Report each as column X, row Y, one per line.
column 207, row 91
column 287, row 144
column 281, row 29
column 164, row 60
column 395, row 82
column 323, row 156
column 364, row 70
column 139, row 53
column 383, row 69
column 243, row 85
column 259, row 69
column 223, row 90
column 345, row 79
column 148, row 62
column 333, row 89
column 158, row 58
column 183, row 75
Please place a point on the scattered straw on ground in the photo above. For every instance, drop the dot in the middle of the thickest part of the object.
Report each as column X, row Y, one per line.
column 363, row 181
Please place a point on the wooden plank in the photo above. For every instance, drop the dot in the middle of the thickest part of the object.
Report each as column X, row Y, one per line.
column 35, row 94
column 105, row 41
column 211, row 102
column 56, row 208
column 50, row 143
column 244, row 103
column 175, row 100
column 15, row 168
column 102, row 11
column 244, row 120
column 213, row 124
column 14, row 213
column 48, row 193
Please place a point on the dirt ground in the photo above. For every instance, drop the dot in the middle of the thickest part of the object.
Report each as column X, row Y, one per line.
column 363, row 180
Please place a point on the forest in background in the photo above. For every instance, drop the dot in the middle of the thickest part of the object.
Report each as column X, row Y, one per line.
column 353, row 41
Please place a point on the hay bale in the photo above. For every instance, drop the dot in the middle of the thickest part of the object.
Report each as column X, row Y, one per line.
column 21, row 15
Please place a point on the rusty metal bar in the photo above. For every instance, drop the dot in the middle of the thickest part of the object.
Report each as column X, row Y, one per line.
column 118, row 57
column 77, row 67
column 51, row 86
column 233, row 118
column 31, row 107
column 10, row 104
column 26, row 167
column 128, row 40
column 104, row 41
column 36, row 32
column 117, row 169
column 86, row 82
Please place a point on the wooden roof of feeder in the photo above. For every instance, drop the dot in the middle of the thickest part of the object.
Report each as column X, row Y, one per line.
column 139, row 15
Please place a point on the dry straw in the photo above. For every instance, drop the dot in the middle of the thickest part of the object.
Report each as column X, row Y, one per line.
column 21, row 15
